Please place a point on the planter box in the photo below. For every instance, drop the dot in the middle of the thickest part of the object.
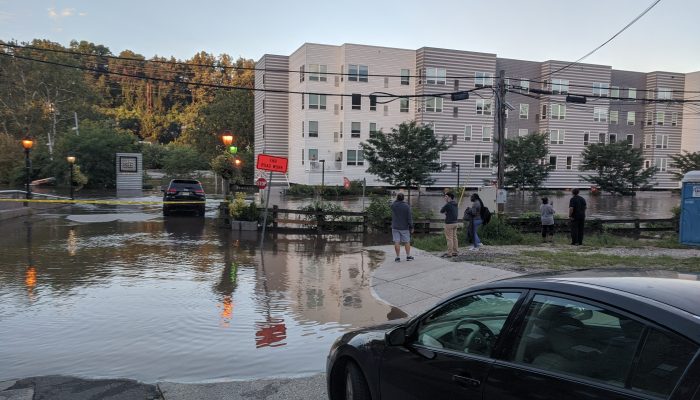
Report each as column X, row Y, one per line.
column 244, row 225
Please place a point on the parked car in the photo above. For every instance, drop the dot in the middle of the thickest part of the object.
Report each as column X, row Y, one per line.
column 576, row 335
column 184, row 195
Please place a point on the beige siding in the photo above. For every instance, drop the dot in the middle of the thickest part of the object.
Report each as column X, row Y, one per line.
column 273, row 119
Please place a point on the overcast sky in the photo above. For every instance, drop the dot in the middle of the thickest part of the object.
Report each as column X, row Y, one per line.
column 666, row 39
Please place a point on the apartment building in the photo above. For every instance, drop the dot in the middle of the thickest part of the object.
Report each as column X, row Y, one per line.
column 321, row 130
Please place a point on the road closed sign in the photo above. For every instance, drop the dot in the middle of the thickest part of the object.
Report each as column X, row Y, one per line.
column 270, row 163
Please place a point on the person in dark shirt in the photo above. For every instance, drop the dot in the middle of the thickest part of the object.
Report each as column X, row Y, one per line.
column 401, row 227
column 577, row 215
column 451, row 212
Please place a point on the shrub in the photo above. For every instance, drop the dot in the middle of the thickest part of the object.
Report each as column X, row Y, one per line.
column 378, row 211
column 499, row 231
column 240, row 211
column 181, row 159
column 10, row 157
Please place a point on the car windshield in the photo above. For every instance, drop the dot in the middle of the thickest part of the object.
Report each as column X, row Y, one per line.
column 185, row 185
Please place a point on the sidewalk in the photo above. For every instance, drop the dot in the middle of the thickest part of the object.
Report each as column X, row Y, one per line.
column 414, row 286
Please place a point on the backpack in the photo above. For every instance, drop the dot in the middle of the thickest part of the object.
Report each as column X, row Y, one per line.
column 485, row 215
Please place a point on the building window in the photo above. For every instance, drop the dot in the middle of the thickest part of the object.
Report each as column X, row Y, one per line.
column 433, row 104
column 436, row 76
column 524, row 111
column 558, row 111
column 560, row 86
column 522, row 132
column 403, row 105
column 674, row 119
column 612, row 138
column 569, row 162
column 263, row 131
column 649, row 120
column 556, row 136
column 372, row 103
column 631, row 116
column 647, row 164
column 586, row 138
column 317, row 72
column 357, row 73
column 302, row 74
column 661, row 164
column 647, row 141
column 600, row 89
column 303, row 130
column 614, row 116
column 630, row 140
column 356, row 101
column 313, row 128
column 482, row 160
column 467, row 133
column 660, row 116
column 372, row 129
column 405, row 76
column 614, row 91
column 487, row 134
column 482, row 79
column 313, row 155
column 317, row 102
column 483, row 107
column 601, row 138
column 355, row 157
column 524, row 86
column 664, row 94
column 632, row 93
column 600, row 114
column 302, row 101
column 662, row 141
column 553, row 162
column 454, row 140
column 302, row 156
column 355, row 129
column 544, row 111
column 263, row 106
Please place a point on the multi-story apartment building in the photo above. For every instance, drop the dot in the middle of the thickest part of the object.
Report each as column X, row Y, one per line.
column 316, row 110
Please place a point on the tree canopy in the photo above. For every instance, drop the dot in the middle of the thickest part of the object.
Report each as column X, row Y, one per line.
column 523, row 165
column 617, row 167
column 686, row 162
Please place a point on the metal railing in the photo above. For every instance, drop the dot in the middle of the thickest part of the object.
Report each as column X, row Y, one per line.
column 16, row 194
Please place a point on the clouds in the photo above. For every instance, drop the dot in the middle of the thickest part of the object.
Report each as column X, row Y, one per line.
column 64, row 13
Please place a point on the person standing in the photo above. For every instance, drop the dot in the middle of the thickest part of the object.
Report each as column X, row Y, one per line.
column 547, row 220
column 401, row 227
column 450, row 210
column 473, row 214
column 577, row 215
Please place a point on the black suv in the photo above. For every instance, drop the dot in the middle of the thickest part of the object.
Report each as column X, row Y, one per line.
column 184, row 195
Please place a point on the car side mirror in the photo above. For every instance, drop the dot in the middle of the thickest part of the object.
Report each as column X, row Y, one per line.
column 396, row 336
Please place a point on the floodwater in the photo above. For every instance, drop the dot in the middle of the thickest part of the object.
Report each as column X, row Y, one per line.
column 97, row 291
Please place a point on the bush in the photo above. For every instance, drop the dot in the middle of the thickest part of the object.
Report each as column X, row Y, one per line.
column 11, row 154
column 301, row 190
column 181, row 159
column 378, row 211
column 240, row 211
column 153, row 155
column 499, row 231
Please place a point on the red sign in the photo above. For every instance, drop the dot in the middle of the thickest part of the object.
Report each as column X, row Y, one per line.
column 271, row 163
column 261, row 183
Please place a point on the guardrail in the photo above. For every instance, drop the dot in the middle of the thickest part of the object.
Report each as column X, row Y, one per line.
column 16, row 193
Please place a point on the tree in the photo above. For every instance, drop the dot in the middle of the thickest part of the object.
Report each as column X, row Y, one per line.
column 686, row 162
column 181, row 159
column 618, row 168
column 523, row 165
column 405, row 157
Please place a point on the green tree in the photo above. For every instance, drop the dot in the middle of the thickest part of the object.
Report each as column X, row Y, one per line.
column 617, row 167
column 686, row 162
column 11, row 157
column 523, row 156
column 405, row 157
column 181, row 159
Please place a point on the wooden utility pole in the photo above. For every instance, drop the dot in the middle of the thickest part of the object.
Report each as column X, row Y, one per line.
column 501, row 129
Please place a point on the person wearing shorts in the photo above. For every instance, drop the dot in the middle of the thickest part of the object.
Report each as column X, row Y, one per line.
column 401, row 227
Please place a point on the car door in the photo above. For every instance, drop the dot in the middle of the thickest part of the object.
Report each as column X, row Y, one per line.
column 569, row 348
column 448, row 351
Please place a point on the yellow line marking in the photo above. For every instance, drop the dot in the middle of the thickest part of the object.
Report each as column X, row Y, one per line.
column 68, row 201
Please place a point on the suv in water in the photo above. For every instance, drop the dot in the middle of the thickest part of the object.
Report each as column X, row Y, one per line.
column 184, row 195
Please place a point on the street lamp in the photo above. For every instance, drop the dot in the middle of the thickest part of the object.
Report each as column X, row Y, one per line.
column 323, row 174
column 227, row 140
column 28, row 143
column 71, row 162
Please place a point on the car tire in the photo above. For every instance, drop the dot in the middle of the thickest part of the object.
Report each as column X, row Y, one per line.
column 200, row 212
column 355, row 384
column 166, row 213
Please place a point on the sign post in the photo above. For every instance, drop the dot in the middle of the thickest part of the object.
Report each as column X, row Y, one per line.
column 270, row 163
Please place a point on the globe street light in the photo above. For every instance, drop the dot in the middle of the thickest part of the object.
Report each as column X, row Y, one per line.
column 71, row 162
column 227, row 139
column 28, row 143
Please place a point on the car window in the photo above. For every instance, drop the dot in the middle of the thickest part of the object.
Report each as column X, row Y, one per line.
column 186, row 185
column 576, row 338
column 664, row 358
column 470, row 324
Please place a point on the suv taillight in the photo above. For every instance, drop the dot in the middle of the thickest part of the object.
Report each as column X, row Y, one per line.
column 199, row 191
column 172, row 191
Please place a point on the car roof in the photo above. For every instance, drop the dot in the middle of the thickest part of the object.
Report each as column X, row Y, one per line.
column 680, row 290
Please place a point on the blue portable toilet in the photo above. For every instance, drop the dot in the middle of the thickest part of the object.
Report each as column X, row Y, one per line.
column 690, row 209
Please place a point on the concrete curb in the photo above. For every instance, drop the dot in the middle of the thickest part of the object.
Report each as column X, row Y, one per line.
column 15, row 213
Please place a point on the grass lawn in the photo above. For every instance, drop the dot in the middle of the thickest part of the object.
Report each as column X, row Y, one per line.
column 570, row 259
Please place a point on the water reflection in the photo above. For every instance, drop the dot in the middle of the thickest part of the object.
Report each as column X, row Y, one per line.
column 176, row 299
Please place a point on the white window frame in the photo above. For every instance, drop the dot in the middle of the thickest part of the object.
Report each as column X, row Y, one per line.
column 486, row 133
column 674, row 119
column 600, row 114
column 586, row 138
column 603, row 136
column 569, row 162
column 664, row 94
column 558, row 111
column 317, row 72
column 433, row 104
column 524, row 86
column 404, row 105
column 357, row 155
column 648, row 118
column 480, row 163
column 311, row 130
column 662, row 120
column 556, row 161
column 354, row 106
column 632, row 94
column 524, row 110
column 468, row 133
column 355, row 73
column 372, row 129
column 405, row 77
column 661, row 164
column 661, row 141
column 648, row 141
column 556, row 136
column 484, row 107
column 600, row 89
column 435, row 76
column 614, row 91
column 630, row 139
column 355, row 133
column 313, row 159
column 523, row 132
column 317, row 101
column 612, row 138
column 560, row 86
column 614, row 117
column 482, row 79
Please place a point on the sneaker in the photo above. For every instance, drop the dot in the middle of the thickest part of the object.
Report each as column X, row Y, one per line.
column 409, row 258
column 397, row 259
column 445, row 255
column 473, row 248
column 480, row 245
column 455, row 254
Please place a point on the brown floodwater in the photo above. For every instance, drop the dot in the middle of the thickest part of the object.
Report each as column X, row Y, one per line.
column 121, row 292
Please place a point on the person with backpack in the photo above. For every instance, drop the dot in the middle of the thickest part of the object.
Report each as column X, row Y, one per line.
column 547, row 220
column 473, row 214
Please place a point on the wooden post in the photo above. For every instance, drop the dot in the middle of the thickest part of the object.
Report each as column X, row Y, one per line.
column 365, row 221
column 275, row 214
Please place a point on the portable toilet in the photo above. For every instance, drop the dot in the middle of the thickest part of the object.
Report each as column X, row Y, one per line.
column 690, row 209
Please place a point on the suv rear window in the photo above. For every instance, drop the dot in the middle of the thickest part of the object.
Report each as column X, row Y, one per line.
column 188, row 185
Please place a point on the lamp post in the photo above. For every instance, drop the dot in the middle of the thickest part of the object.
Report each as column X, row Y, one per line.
column 323, row 175
column 227, row 140
column 71, row 162
column 28, row 143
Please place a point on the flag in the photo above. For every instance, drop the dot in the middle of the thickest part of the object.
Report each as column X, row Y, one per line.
column 346, row 183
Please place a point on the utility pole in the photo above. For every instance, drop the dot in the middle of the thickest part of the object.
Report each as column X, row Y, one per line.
column 501, row 129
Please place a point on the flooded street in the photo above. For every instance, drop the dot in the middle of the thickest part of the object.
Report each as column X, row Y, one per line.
column 121, row 292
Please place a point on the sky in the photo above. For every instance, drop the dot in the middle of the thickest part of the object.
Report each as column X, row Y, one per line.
column 665, row 39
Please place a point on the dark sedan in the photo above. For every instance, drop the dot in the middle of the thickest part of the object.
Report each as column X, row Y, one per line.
column 574, row 335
